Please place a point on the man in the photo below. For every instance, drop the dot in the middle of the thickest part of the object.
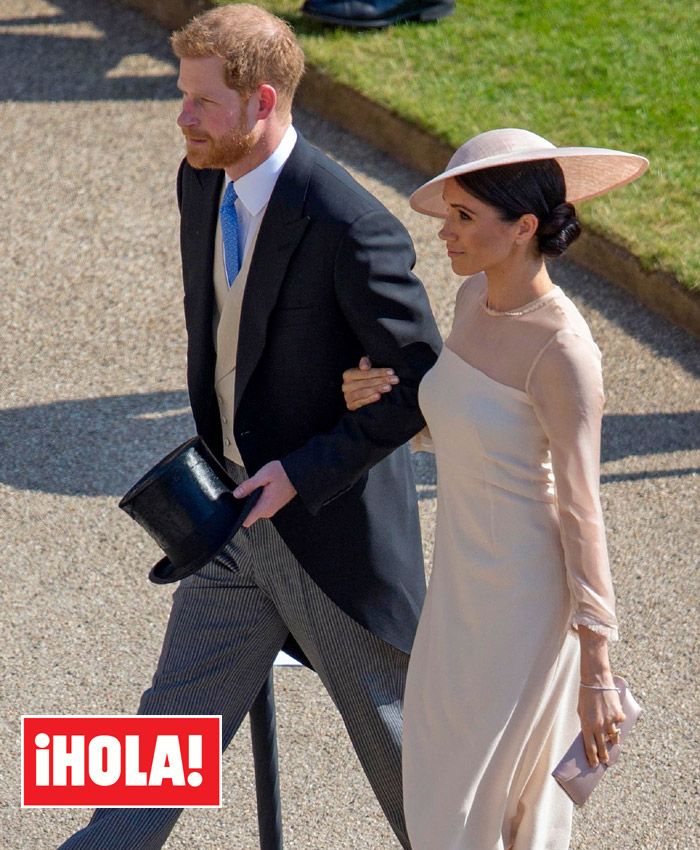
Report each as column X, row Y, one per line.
column 291, row 272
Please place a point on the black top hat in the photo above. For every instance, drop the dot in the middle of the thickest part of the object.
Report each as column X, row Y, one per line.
column 185, row 503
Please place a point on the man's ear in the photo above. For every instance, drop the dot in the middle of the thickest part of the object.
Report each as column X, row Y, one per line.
column 265, row 100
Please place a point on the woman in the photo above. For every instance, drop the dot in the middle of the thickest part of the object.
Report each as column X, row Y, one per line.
column 513, row 639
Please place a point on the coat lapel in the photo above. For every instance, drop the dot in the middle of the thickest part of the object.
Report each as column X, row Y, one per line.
column 280, row 232
column 198, row 232
column 199, row 212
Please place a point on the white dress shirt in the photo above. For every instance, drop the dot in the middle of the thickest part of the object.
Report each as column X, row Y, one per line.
column 254, row 190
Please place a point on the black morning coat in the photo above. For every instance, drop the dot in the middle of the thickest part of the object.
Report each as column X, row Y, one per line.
column 330, row 280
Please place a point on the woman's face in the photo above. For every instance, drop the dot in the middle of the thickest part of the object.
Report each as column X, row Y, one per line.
column 477, row 239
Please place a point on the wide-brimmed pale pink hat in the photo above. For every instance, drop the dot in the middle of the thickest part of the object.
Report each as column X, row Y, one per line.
column 588, row 172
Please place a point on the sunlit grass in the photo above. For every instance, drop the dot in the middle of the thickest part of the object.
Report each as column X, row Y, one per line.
column 608, row 73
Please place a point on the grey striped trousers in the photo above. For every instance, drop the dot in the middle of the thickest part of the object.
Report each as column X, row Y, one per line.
column 225, row 630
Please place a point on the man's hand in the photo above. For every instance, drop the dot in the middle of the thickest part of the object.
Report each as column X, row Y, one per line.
column 278, row 490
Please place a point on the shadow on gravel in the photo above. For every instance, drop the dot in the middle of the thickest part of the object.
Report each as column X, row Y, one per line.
column 82, row 53
column 90, row 447
column 101, row 446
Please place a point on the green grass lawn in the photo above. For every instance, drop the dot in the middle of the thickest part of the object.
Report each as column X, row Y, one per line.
column 609, row 73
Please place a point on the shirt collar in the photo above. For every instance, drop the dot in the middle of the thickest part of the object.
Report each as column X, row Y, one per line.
column 255, row 188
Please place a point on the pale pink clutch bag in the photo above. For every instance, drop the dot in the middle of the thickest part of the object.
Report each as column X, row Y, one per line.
column 573, row 772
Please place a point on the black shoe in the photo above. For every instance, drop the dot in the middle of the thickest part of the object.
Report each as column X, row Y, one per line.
column 375, row 14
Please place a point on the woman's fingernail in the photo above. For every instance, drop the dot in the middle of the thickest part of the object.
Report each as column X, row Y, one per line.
column 393, row 380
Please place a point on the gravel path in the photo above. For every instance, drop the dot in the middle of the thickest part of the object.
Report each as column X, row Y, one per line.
column 93, row 394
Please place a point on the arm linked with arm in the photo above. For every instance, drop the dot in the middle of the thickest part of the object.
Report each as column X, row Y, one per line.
column 388, row 311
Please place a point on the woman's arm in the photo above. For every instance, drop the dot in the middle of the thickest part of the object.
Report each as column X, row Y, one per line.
column 366, row 385
column 566, row 387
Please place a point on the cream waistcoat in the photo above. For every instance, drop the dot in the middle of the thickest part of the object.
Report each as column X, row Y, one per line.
column 227, row 320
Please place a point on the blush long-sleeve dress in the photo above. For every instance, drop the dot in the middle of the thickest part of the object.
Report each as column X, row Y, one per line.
column 514, row 407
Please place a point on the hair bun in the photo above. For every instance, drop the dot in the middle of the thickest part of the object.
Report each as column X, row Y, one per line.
column 558, row 230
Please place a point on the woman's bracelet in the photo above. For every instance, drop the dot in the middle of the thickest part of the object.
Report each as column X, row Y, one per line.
column 599, row 687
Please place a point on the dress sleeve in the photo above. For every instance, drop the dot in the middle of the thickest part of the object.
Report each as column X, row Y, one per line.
column 565, row 385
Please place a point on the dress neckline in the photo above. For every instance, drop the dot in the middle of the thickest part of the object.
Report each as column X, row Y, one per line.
column 530, row 307
column 520, row 393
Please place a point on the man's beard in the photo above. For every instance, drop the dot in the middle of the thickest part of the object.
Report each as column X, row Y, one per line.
column 229, row 149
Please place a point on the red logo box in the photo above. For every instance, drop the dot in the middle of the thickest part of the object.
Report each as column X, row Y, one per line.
column 121, row 761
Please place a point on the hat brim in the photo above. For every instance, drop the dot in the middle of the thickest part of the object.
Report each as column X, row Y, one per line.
column 588, row 172
column 165, row 572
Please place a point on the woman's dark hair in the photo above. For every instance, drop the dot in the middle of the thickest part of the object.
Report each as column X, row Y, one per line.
column 536, row 187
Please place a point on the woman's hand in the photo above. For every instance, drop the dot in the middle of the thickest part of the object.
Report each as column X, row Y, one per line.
column 599, row 706
column 366, row 385
column 601, row 714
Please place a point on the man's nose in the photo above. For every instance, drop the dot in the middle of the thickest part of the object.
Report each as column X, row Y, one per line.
column 186, row 118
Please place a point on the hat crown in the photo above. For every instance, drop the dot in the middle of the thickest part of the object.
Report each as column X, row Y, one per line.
column 185, row 503
column 588, row 172
column 497, row 143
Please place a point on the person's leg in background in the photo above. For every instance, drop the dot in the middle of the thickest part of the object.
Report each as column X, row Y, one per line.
column 376, row 14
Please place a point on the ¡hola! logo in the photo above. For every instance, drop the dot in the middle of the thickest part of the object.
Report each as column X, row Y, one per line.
column 118, row 761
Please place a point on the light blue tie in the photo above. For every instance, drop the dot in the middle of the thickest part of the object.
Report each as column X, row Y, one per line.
column 229, row 233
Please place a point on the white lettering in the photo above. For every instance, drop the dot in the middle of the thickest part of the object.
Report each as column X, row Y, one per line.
column 64, row 759
column 167, row 761
column 194, row 778
column 132, row 774
column 42, row 741
column 104, row 760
